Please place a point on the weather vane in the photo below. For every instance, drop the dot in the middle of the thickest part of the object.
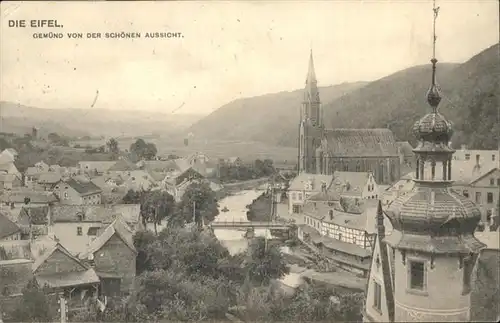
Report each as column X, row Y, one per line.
column 436, row 12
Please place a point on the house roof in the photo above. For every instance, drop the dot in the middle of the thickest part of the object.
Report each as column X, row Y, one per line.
column 83, row 187
column 350, row 183
column 7, row 227
column 122, row 166
column 164, row 166
column 96, row 213
column 74, row 278
column 300, row 181
column 38, row 215
column 361, row 143
column 58, row 247
column 49, row 178
column 17, row 196
column 100, row 166
column 118, row 227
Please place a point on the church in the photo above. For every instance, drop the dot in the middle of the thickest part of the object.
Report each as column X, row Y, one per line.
column 323, row 151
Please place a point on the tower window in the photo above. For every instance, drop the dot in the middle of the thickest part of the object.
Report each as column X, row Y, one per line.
column 377, row 296
column 417, row 275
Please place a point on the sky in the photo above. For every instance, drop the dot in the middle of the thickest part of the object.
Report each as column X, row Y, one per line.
column 229, row 50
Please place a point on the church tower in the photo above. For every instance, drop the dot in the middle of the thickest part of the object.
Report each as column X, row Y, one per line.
column 422, row 271
column 311, row 123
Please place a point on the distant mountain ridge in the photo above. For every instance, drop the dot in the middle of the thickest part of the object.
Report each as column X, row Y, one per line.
column 269, row 118
column 18, row 118
column 470, row 100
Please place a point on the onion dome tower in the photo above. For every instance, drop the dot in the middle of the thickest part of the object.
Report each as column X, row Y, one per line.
column 433, row 247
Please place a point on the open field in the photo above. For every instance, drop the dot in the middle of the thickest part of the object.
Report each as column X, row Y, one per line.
column 247, row 151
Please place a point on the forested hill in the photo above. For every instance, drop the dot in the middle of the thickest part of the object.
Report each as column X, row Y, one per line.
column 470, row 100
column 271, row 118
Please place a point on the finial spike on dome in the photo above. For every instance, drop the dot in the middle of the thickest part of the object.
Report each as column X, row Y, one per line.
column 433, row 96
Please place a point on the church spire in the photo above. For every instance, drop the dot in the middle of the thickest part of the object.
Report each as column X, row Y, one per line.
column 433, row 96
column 311, row 74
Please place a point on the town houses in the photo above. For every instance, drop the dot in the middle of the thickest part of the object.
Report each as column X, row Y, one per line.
column 67, row 227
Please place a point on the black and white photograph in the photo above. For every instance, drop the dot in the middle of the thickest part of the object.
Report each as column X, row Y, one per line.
column 250, row 161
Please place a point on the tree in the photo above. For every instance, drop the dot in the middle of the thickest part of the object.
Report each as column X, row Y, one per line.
column 143, row 150
column 142, row 242
column 33, row 306
column 199, row 204
column 157, row 206
column 112, row 146
column 263, row 265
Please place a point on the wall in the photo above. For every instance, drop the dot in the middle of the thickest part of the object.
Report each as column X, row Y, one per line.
column 58, row 262
column 116, row 257
column 66, row 232
column 67, row 195
column 433, row 305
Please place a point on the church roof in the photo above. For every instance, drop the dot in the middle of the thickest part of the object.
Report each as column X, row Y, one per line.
column 361, row 143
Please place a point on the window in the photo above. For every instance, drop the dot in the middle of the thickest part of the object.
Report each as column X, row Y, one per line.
column 489, row 198
column 340, row 236
column 417, row 275
column 294, row 196
column 79, row 231
column 66, row 195
column 493, row 157
column 346, row 168
column 492, row 181
column 468, row 265
column 331, row 214
column 354, row 240
column 300, row 196
column 296, row 209
column 478, row 197
column 467, row 156
column 466, row 193
column 498, row 181
column 377, row 296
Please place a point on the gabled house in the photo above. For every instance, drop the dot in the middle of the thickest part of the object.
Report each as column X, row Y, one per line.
column 47, row 181
column 356, row 184
column 113, row 256
column 176, row 183
column 304, row 186
column 60, row 271
column 76, row 226
column 138, row 180
column 32, row 174
column 202, row 164
column 78, row 192
column 8, row 229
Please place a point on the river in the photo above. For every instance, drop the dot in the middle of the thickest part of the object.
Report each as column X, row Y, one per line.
column 233, row 239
